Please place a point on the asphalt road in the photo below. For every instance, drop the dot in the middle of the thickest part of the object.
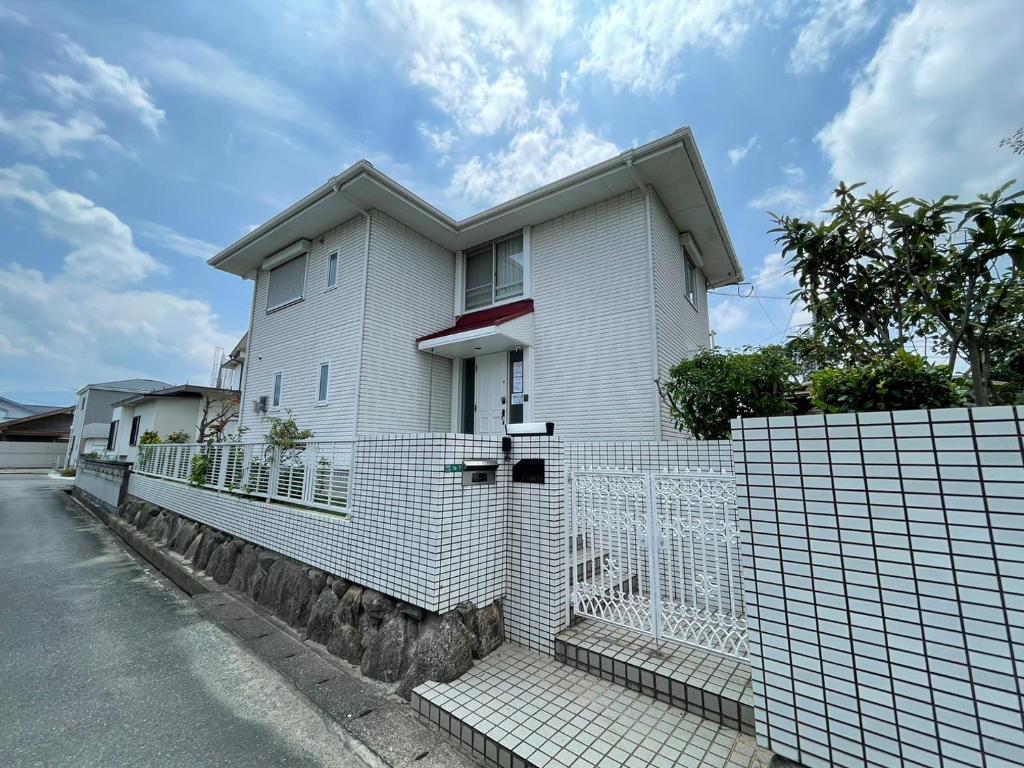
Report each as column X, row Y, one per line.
column 102, row 663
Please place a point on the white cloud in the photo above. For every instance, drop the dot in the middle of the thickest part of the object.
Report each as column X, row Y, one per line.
column 14, row 17
column 102, row 247
column 781, row 199
column 439, row 141
column 793, row 173
column 196, row 67
column 172, row 240
column 773, row 273
column 44, row 133
column 738, row 153
column 474, row 58
column 637, row 44
column 727, row 315
column 77, row 324
column 926, row 114
column 104, row 82
column 540, row 153
column 832, row 24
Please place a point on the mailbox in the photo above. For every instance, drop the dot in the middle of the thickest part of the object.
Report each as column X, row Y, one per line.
column 479, row 472
column 528, row 471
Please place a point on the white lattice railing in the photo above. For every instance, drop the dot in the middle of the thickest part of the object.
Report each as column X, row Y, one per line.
column 313, row 473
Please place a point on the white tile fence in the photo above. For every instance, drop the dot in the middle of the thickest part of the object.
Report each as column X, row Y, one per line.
column 884, row 575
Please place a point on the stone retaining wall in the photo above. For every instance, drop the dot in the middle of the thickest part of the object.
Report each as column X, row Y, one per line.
column 389, row 640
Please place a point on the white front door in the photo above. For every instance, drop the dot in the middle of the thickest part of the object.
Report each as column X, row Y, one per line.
column 491, row 393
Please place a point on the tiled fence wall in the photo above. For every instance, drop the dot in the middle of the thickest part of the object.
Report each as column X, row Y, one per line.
column 415, row 532
column 884, row 572
column 103, row 481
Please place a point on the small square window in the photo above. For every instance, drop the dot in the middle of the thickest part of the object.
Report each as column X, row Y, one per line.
column 323, row 380
column 332, row 270
column 275, row 400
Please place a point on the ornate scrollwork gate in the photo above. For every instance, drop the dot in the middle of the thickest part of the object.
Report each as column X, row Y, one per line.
column 660, row 553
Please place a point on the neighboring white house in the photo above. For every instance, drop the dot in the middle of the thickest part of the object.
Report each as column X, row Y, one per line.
column 11, row 409
column 90, row 428
column 374, row 312
column 187, row 408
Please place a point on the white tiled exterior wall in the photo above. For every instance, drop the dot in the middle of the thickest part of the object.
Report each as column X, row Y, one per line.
column 592, row 360
column 884, row 574
column 410, row 293
column 682, row 326
column 295, row 339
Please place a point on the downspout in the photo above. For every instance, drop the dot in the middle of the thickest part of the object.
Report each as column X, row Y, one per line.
column 650, row 295
column 362, row 320
column 245, row 363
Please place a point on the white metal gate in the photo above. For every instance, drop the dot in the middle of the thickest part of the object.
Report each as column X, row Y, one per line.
column 659, row 553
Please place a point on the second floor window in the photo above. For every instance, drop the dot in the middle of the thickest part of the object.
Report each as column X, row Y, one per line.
column 133, row 437
column 275, row 399
column 322, row 383
column 691, row 279
column 494, row 272
column 332, row 270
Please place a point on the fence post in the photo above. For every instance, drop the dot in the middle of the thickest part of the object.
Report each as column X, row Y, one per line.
column 653, row 552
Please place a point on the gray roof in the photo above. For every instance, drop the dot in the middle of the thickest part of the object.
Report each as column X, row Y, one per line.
column 29, row 407
column 129, row 385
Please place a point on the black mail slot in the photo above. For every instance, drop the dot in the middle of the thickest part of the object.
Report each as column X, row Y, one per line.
column 528, row 471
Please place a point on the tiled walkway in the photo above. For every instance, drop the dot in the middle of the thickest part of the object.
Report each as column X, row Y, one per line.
column 707, row 684
column 517, row 708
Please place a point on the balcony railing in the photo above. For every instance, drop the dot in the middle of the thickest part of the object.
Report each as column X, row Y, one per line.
column 312, row 473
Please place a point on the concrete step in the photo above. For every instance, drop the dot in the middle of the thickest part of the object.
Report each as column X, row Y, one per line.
column 520, row 709
column 708, row 684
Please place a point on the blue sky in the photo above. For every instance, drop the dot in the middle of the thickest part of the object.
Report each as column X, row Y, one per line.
column 138, row 138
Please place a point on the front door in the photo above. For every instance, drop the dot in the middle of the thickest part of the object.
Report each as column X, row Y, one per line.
column 491, row 394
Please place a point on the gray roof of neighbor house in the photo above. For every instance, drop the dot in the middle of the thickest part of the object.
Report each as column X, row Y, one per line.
column 671, row 165
column 182, row 390
column 128, row 385
column 28, row 406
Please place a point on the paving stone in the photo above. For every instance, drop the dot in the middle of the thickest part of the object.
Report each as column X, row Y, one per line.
column 251, row 628
column 343, row 698
column 276, row 645
column 306, row 669
column 392, row 732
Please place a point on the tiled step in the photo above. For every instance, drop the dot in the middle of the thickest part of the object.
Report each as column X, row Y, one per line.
column 589, row 563
column 707, row 684
column 520, row 709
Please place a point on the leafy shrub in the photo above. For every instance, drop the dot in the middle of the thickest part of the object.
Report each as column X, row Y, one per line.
column 149, row 437
column 902, row 382
column 705, row 392
column 285, row 433
column 179, row 437
column 201, row 465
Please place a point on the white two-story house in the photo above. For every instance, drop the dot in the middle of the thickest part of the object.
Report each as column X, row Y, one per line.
column 374, row 312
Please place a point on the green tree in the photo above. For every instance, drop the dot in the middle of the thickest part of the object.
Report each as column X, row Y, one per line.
column 705, row 392
column 882, row 272
column 901, row 382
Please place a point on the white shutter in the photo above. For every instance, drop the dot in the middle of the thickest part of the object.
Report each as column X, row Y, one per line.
column 287, row 283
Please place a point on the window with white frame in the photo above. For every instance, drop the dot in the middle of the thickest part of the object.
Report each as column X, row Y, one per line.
column 323, row 382
column 332, row 270
column 275, row 398
column 287, row 283
column 691, row 278
column 494, row 272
